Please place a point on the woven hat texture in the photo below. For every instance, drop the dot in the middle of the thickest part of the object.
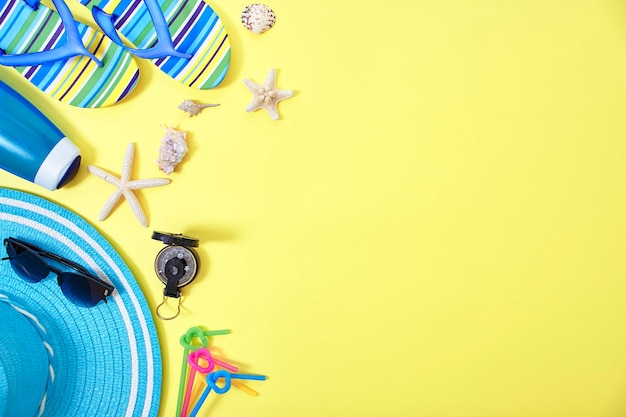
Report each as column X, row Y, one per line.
column 74, row 361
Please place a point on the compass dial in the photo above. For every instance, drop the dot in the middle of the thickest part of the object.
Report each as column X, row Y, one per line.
column 176, row 262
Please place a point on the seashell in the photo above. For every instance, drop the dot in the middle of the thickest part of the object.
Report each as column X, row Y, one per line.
column 193, row 108
column 257, row 18
column 172, row 150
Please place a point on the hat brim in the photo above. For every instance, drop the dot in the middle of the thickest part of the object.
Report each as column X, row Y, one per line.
column 105, row 359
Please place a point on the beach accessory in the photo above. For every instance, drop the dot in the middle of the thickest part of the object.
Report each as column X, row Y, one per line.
column 65, row 360
column 81, row 287
column 193, row 339
column 31, row 146
column 213, row 377
column 125, row 186
column 194, row 360
column 21, row 393
column 184, row 38
column 176, row 265
column 266, row 95
column 68, row 60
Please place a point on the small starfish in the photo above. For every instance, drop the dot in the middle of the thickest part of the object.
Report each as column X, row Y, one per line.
column 125, row 187
column 266, row 95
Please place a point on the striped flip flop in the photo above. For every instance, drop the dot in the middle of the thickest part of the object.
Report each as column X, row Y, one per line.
column 68, row 60
column 184, row 38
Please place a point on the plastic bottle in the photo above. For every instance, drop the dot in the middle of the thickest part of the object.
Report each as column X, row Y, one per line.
column 31, row 146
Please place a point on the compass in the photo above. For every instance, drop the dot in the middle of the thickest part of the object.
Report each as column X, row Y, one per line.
column 176, row 265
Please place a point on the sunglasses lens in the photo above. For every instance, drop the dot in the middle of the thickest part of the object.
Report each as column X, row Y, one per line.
column 80, row 290
column 26, row 263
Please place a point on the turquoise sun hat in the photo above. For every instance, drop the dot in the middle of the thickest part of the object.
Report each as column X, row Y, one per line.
column 61, row 359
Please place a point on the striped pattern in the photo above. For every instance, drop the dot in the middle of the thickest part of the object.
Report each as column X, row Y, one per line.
column 117, row 340
column 77, row 81
column 195, row 28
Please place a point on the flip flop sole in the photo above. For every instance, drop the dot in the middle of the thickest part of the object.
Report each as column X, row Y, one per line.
column 195, row 29
column 77, row 81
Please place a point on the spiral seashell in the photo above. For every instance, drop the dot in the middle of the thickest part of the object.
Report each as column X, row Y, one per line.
column 194, row 109
column 172, row 150
column 257, row 18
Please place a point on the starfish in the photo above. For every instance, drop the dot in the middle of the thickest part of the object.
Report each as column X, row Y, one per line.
column 125, row 187
column 266, row 95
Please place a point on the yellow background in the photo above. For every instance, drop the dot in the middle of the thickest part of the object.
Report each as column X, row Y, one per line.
column 434, row 227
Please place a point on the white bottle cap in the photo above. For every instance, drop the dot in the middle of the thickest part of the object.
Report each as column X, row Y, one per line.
column 62, row 158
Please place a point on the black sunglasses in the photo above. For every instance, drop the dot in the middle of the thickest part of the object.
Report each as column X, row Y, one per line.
column 81, row 287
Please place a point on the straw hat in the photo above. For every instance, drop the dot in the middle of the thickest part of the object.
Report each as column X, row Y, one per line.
column 59, row 359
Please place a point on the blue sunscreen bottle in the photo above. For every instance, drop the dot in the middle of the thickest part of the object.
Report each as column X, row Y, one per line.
column 31, row 146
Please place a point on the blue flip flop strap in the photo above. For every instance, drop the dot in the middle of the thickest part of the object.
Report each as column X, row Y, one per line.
column 164, row 46
column 73, row 45
column 34, row 4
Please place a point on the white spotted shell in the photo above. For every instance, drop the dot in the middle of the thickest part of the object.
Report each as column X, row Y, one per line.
column 257, row 18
